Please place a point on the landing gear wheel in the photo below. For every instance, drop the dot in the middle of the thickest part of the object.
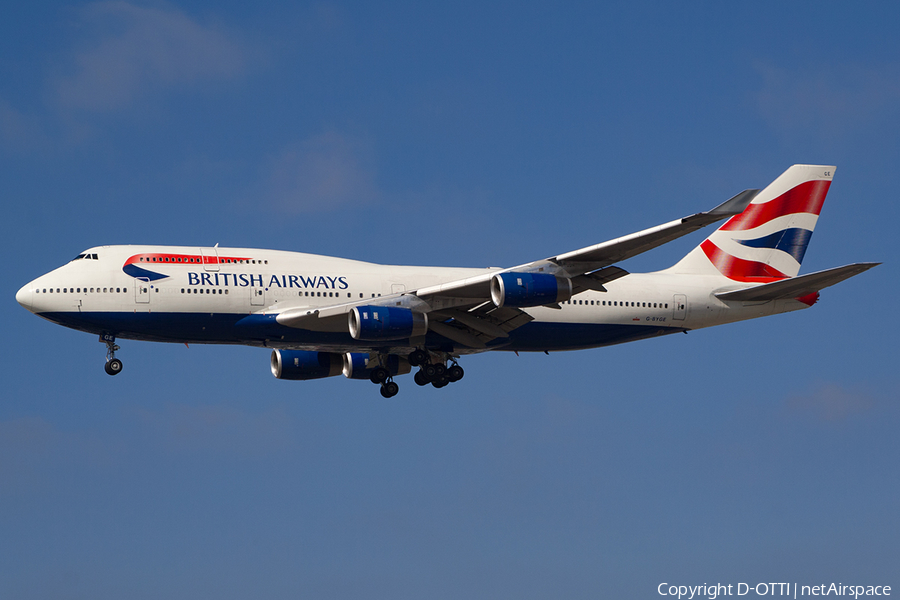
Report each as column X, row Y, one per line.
column 440, row 381
column 389, row 389
column 421, row 378
column 430, row 371
column 379, row 375
column 417, row 357
column 439, row 369
column 455, row 373
column 113, row 366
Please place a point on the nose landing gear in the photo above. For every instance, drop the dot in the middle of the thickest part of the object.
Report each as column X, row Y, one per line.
column 113, row 365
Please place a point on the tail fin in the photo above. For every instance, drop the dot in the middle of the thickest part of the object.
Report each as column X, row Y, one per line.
column 767, row 241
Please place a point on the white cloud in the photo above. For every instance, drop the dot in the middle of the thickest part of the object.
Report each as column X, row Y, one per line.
column 322, row 173
column 831, row 402
column 141, row 49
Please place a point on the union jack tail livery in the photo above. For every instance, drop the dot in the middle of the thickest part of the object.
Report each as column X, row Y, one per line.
column 767, row 241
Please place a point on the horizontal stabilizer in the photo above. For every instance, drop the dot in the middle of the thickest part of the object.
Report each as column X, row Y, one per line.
column 797, row 287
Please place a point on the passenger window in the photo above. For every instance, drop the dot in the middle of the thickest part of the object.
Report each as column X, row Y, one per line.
column 226, row 292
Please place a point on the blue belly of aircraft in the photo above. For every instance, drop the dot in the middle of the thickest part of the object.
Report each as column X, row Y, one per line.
column 263, row 330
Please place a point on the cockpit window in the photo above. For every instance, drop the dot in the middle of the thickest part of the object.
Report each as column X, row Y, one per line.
column 86, row 256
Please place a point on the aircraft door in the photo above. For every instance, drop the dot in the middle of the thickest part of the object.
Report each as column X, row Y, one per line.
column 680, row 301
column 257, row 296
column 142, row 290
column 210, row 258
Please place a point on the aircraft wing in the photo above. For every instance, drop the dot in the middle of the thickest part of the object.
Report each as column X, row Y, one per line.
column 586, row 262
column 797, row 287
column 462, row 310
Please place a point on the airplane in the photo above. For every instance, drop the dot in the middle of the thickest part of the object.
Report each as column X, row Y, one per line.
column 324, row 316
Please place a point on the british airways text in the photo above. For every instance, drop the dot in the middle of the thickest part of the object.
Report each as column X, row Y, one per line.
column 281, row 281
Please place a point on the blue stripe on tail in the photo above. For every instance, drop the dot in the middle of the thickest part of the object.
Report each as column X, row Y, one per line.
column 793, row 241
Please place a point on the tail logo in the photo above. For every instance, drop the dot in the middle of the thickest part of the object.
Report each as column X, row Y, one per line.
column 768, row 240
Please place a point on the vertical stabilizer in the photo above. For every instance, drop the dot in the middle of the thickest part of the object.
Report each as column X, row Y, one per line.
column 767, row 241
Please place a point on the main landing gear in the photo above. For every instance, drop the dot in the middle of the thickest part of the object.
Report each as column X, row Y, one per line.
column 438, row 373
column 382, row 376
column 433, row 369
column 113, row 365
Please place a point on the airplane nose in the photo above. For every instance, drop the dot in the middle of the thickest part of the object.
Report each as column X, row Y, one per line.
column 23, row 296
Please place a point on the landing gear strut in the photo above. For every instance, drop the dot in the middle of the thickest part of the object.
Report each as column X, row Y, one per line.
column 389, row 389
column 382, row 376
column 113, row 365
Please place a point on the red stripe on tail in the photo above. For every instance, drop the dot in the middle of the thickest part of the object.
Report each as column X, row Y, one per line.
column 805, row 198
column 740, row 269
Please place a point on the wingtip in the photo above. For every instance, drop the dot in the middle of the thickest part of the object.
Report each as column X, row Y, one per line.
column 736, row 204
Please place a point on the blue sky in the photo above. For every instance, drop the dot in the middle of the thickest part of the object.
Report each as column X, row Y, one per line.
column 476, row 135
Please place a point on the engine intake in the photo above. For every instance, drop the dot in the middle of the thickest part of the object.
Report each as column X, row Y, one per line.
column 373, row 323
column 305, row 364
column 529, row 289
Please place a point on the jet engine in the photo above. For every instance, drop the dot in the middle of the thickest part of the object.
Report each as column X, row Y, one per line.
column 358, row 366
column 529, row 289
column 305, row 364
column 373, row 323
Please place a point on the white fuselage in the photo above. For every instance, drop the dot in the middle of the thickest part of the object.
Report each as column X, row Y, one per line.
column 228, row 295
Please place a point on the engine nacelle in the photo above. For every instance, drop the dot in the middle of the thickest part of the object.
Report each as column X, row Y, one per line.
column 305, row 364
column 358, row 366
column 373, row 323
column 529, row 289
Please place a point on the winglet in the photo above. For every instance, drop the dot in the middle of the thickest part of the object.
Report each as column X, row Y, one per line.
column 731, row 207
column 735, row 205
